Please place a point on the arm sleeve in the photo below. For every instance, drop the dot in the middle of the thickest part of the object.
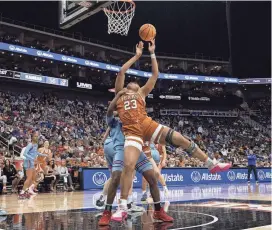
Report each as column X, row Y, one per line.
column 26, row 152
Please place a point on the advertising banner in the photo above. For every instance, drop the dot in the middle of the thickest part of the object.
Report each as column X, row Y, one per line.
column 255, row 81
column 95, row 178
column 33, row 78
column 104, row 66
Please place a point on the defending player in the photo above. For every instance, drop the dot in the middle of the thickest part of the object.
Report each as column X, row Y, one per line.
column 138, row 127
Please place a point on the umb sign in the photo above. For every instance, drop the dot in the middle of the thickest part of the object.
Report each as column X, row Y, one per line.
column 84, row 85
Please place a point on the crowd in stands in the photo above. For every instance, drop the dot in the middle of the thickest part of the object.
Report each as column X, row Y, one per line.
column 114, row 58
column 75, row 129
column 264, row 105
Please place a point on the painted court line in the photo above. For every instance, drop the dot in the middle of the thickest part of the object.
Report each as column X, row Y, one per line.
column 266, row 227
column 215, row 219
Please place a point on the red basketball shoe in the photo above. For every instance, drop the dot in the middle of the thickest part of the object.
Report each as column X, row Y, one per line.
column 162, row 215
column 105, row 219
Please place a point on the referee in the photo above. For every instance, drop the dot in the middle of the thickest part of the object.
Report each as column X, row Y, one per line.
column 251, row 157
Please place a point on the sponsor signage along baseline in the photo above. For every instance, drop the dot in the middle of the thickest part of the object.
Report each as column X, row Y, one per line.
column 95, row 178
column 100, row 65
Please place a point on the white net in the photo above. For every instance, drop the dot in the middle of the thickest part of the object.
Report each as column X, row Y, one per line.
column 120, row 14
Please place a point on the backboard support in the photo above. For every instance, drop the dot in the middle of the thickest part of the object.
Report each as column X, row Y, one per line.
column 72, row 12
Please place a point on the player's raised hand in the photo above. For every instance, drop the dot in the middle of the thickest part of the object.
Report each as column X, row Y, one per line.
column 151, row 46
column 139, row 49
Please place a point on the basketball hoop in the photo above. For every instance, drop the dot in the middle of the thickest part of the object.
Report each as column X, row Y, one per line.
column 120, row 14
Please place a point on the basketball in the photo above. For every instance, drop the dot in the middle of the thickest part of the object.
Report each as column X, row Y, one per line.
column 147, row 32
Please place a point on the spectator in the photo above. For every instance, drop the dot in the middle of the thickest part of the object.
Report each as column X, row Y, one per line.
column 63, row 172
column 49, row 177
column 3, row 178
column 12, row 176
column 252, row 165
column 53, row 169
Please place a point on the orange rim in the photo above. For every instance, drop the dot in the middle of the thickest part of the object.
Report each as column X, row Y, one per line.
column 124, row 11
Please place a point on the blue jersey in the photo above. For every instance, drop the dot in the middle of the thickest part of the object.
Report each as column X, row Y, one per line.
column 252, row 159
column 31, row 152
column 116, row 131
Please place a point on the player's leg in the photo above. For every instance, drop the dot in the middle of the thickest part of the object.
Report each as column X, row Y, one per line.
column 29, row 172
column 132, row 150
column 117, row 167
column 144, row 189
column 101, row 201
column 162, row 181
column 109, row 155
column 145, row 167
column 130, row 200
column 131, row 155
column 171, row 137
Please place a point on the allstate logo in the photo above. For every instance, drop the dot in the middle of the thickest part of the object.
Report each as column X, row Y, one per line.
column 64, row 58
column 195, row 176
column 87, row 63
column 108, row 67
column 12, row 47
column 231, row 175
column 207, row 78
column 226, row 80
column 187, row 77
column 39, row 53
column 99, row 178
column 261, row 175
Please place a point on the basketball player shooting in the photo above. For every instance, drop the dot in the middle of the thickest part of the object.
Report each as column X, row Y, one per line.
column 138, row 127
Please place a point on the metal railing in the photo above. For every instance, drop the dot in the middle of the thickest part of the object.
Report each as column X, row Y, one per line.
column 14, row 150
column 79, row 37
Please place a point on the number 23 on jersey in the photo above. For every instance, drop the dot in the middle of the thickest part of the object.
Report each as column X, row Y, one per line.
column 132, row 104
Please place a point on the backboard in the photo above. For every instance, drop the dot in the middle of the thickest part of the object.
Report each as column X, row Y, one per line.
column 72, row 12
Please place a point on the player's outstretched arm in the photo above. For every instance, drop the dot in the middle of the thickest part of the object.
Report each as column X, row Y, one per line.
column 112, row 105
column 150, row 84
column 120, row 80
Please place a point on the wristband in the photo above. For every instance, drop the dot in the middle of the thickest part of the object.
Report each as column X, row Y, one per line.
column 153, row 55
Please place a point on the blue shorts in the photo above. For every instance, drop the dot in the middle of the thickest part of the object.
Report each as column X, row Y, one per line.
column 156, row 156
column 28, row 164
column 115, row 159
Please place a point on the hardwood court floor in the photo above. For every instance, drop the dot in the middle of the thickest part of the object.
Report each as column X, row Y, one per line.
column 193, row 207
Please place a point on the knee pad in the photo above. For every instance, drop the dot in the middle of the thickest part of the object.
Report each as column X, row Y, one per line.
column 193, row 146
column 169, row 138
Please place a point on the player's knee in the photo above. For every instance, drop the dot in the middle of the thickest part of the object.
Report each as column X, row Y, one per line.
column 129, row 166
column 169, row 137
